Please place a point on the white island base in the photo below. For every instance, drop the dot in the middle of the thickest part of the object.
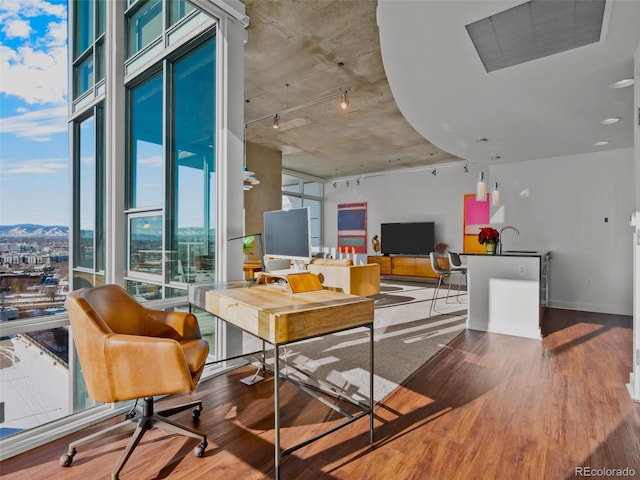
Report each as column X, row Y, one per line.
column 506, row 293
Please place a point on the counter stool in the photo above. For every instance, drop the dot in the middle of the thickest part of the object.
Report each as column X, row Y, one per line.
column 456, row 266
column 442, row 273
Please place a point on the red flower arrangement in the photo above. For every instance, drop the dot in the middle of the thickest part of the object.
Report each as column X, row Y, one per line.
column 488, row 235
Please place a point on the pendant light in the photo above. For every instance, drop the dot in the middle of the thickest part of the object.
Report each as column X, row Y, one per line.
column 481, row 188
column 248, row 180
column 495, row 195
column 248, row 177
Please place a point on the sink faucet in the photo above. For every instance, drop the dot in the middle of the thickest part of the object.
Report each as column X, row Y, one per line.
column 507, row 227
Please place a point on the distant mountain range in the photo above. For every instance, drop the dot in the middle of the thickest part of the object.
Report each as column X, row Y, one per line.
column 30, row 230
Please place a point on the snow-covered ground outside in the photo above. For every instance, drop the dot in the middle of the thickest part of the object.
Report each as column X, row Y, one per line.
column 33, row 386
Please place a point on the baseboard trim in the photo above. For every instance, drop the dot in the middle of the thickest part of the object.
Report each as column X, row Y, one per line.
column 593, row 307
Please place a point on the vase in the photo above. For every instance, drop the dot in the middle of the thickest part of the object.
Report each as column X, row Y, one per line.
column 491, row 248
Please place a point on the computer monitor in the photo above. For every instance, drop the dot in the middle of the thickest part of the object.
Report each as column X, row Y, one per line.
column 287, row 234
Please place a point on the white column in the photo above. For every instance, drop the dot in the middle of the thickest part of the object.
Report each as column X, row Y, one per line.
column 230, row 39
column 115, row 148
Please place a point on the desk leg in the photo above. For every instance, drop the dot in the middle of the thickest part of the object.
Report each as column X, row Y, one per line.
column 276, row 396
column 371, row 383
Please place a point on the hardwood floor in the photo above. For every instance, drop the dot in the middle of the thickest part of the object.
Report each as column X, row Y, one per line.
column 488, row 406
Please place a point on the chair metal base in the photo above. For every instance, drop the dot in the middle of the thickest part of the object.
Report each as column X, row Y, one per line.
column 437, row 289
column 139, row 425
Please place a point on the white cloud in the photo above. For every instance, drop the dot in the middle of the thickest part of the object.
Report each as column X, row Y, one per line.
column 35, row 71
column 31, row 8
column 36, row 76
column 38, row 125
column 150, row 161
column 35, row 166
column 57, row 33
column 17, row 29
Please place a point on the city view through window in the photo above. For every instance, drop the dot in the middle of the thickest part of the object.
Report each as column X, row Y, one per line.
column 34, row 159
column 34, row 210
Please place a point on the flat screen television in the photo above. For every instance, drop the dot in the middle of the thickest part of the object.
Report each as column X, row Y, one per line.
column 411, row 238
column 287, row 234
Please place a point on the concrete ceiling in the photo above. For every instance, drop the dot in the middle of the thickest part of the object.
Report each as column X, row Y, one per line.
column 543, row 108
column 301, row 43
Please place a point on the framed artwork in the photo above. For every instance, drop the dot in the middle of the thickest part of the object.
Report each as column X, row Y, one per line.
column 476, row 216
column 352, row 227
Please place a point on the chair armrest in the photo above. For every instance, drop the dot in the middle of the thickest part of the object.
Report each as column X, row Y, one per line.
column 175, row 325
column 160, row 366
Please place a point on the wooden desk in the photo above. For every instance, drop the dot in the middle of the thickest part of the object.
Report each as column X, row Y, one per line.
column 279, row 317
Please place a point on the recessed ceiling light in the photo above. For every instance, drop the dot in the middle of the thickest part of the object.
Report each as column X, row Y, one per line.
column 626, row 82
column 602, row 142
column 610, row 120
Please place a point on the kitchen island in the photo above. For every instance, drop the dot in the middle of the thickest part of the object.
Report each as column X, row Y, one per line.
column 508, row 293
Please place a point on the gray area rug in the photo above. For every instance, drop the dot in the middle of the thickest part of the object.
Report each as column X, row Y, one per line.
column 405, row 337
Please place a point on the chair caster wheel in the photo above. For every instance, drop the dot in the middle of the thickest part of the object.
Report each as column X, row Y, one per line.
column 196, row 412
column 198, row 451
column 67, row 458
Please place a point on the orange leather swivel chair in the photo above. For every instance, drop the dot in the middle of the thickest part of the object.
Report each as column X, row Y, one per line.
column 129, row 352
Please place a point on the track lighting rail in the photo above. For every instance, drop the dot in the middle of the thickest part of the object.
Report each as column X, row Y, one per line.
column 342, row 94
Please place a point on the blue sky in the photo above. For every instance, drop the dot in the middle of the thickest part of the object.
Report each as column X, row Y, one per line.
column 34, row 160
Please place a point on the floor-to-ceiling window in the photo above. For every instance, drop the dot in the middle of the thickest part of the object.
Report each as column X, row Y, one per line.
column 172, row 181
column 192, row 155
column 143, row 160
column 302, row 192
column 145, row 201
column 87, row 139
column 88, row 167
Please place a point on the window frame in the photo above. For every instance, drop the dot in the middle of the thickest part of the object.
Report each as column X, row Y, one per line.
column 299, row 194
column 96, row 112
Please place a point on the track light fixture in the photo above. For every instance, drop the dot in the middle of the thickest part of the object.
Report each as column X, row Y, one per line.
column 344, row 100
column 344, row 103
column 347, row 182
column 433, row 172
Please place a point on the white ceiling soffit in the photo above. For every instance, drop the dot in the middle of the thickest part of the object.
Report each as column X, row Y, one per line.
column 542, row 108
column 536, row 29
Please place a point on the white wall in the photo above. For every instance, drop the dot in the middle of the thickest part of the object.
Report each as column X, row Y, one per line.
column 634, row 377
column 415, row 196
column 558, row 204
